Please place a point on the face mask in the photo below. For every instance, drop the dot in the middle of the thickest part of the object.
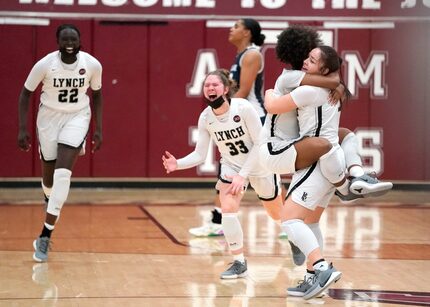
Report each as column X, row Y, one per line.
column 215, row 104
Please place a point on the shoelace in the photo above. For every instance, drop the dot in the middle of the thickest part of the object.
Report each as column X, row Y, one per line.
column 306, row 281
column 235, row 267
column 44, row 245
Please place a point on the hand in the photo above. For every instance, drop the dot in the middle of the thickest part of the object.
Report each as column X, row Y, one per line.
column 24, row 140
column 169, row 162
column 97, row 141
column 237, row 185
column 269, row 92
column 336, row 94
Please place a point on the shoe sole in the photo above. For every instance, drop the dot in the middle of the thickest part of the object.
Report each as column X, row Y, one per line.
column 301, row 294
column 369, row 188
column 34, row 254
column 205, row 235
column 334, row 277
column 244, row 274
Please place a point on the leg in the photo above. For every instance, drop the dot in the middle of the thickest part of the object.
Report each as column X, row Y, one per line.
column 66, row 159
column 48, row 168
column 214, row 227
column 233, row 232
column 365, row 185
column 309, row 150
column 301, row 206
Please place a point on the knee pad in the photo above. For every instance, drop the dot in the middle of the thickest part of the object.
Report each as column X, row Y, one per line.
column 315, row 227
column 232, row 231
column 60, row 190
column 333, row 165
column 301, row 235
column 350, row 148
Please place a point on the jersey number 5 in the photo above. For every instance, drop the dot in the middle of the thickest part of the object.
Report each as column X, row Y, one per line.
column 237, row 147
column 68, row 96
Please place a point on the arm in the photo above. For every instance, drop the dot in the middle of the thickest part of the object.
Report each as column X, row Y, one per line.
column 23, row 106
column 253, row 124
column 251, row 64
column 331, row 81
column 278, row 104
column 98, row 107
column 34, row 78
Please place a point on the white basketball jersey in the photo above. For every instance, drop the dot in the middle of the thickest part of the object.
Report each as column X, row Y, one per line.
column 65, row 85
column 232, row 135
column 282, row 127
column 317, row 117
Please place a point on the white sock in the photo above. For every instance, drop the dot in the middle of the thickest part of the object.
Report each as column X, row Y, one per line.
column 321, row 266
column 49, row 226
column 356, row 171
column 344, row 188
column 239, row 257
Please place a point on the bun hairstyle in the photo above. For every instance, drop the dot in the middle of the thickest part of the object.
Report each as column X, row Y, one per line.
column 256, row 36
column 224, row 76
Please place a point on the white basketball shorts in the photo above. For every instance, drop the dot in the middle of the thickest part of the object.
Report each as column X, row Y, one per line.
column 280, row 160
column 267, row 187
column 309, row 188
column 54, row 127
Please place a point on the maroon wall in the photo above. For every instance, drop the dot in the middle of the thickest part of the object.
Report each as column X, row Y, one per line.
column 147, row 109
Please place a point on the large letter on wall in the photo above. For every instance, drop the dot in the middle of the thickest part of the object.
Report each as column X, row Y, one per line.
column 370, row 149
column 371, row 74
column 206, row 61
column 209, row 167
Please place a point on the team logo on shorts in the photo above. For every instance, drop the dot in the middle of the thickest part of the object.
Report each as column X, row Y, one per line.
column 236, row 118
column 82, row 71
column 304, row 196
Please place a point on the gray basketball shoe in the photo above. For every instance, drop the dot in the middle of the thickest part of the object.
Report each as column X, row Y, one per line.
column 41, row 248
column 238, row 269
column 303, row 286
column 323, row 279
column 369, row 186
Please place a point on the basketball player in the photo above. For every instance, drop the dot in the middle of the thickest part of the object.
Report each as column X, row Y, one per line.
column 247, row 70
column 234, row 126
column 282, row 149
column 313, row 186
column 63, row 120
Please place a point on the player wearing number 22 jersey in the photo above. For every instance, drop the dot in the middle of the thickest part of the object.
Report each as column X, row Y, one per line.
column 65, row 85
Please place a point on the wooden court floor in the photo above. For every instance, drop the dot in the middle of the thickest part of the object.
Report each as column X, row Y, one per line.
column 131, row 247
